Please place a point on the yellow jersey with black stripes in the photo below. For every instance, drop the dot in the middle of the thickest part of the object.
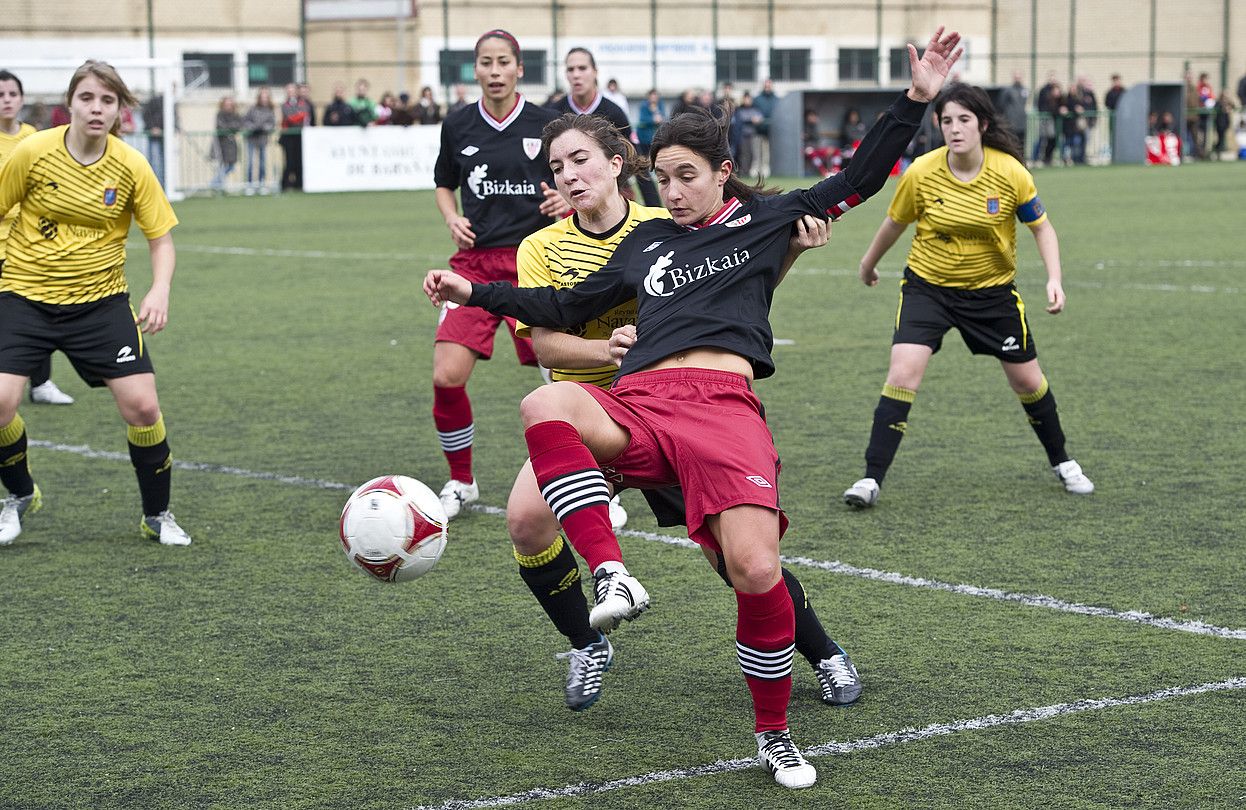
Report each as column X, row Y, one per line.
column 7, row 144
column 562, row 255
column 966, row 230
column 68, row 243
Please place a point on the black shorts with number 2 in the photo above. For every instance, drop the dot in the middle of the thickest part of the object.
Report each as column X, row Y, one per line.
column 991, row 320
column 100, row 338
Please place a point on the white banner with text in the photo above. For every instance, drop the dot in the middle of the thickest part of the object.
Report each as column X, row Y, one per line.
column 369, row 158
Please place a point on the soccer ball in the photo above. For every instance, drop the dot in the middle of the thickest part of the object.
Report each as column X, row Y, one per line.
column 393, row 528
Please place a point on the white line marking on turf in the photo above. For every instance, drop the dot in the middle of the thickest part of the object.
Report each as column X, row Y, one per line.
column 904, row 735
column 840, row 272
column 833, row 566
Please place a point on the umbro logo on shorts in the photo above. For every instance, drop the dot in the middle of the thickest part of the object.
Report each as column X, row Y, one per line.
column 759, row 481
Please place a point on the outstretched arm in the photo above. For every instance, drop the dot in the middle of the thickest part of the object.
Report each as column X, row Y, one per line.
column 883, row 145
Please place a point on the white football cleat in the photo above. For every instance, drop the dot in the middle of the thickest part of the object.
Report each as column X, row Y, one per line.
column 456, row 494
column 620, row 597
column 863, row 494
column 48, row 393
column 13, row 510
column 164, row 528
column 779, row 755
column 618, row 515
column 1074, row 480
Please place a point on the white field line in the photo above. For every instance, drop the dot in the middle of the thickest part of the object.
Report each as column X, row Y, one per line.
column 833, row 566
column 905, row 735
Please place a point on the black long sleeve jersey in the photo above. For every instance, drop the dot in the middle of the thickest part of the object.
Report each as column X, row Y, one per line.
column 500, row 168
column 709, row 285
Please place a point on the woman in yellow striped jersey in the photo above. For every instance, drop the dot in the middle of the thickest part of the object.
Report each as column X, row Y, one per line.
column 965, row 198
column 12, row 97
column 64, row 288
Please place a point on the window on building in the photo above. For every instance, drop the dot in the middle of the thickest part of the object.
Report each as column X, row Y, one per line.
column 900, row 71
column 458, row 67
column 858, row 64
column 535, row 68
column 270, row 69
column 736, row 66
column 789, row 64
column 207, row 69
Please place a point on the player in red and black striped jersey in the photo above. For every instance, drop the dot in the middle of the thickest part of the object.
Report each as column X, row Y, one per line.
column 682, row 410
column 491, row 154
column 584, row 98
column 64, row 287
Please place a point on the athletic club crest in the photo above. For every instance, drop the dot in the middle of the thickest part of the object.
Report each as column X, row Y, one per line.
column 532, row 147
column 992, row 205
column 110, row 196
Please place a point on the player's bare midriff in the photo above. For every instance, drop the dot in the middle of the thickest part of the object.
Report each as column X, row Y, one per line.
column 705, row 357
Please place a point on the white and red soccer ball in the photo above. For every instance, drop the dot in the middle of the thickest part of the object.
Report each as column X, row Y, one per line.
column 393, row 528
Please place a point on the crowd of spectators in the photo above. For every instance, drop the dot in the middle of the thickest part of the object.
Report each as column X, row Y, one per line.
column 1064, row 119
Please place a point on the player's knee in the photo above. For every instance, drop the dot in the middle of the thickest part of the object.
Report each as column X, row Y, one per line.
column 547, row 403
column 531, row 529
column 754, row 573
column 142, row 413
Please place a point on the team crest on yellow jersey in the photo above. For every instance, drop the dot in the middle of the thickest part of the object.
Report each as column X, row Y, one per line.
column 992, row 205
column 110, row 196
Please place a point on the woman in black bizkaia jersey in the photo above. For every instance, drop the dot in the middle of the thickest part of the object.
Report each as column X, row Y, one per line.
column 491, row 151
column 682, row 409
column 585, row 98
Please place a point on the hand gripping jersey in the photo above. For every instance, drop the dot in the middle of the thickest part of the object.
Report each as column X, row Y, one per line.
column 499, row 168
column 562, row 255
column 68, row 245
column 966, row 231
column 709, row 285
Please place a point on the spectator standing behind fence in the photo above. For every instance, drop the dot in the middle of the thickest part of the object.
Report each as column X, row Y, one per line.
column 652, row 114
column 1047, row 104
column 426, row 109
column 1014, row 104
column 745, row 119
column 225, row 142
column 687, row 99
column 1193, row 122
column 296, row 113
column 339, row 112
column 460, row 100
column 764, row 102
column 153, row 120
column 365, row 109
column 258, row 126
column 384, row 109
column 613, row 93
column 402, row 115
column 1223, row 119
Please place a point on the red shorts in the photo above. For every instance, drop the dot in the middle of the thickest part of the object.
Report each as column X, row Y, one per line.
column 698, row 428
column 473, row 327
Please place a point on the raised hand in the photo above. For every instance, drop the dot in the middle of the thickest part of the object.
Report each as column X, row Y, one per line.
column 931, row 70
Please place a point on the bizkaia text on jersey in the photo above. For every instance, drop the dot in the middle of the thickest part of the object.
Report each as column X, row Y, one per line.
column 480, row 184
column 666, row 279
